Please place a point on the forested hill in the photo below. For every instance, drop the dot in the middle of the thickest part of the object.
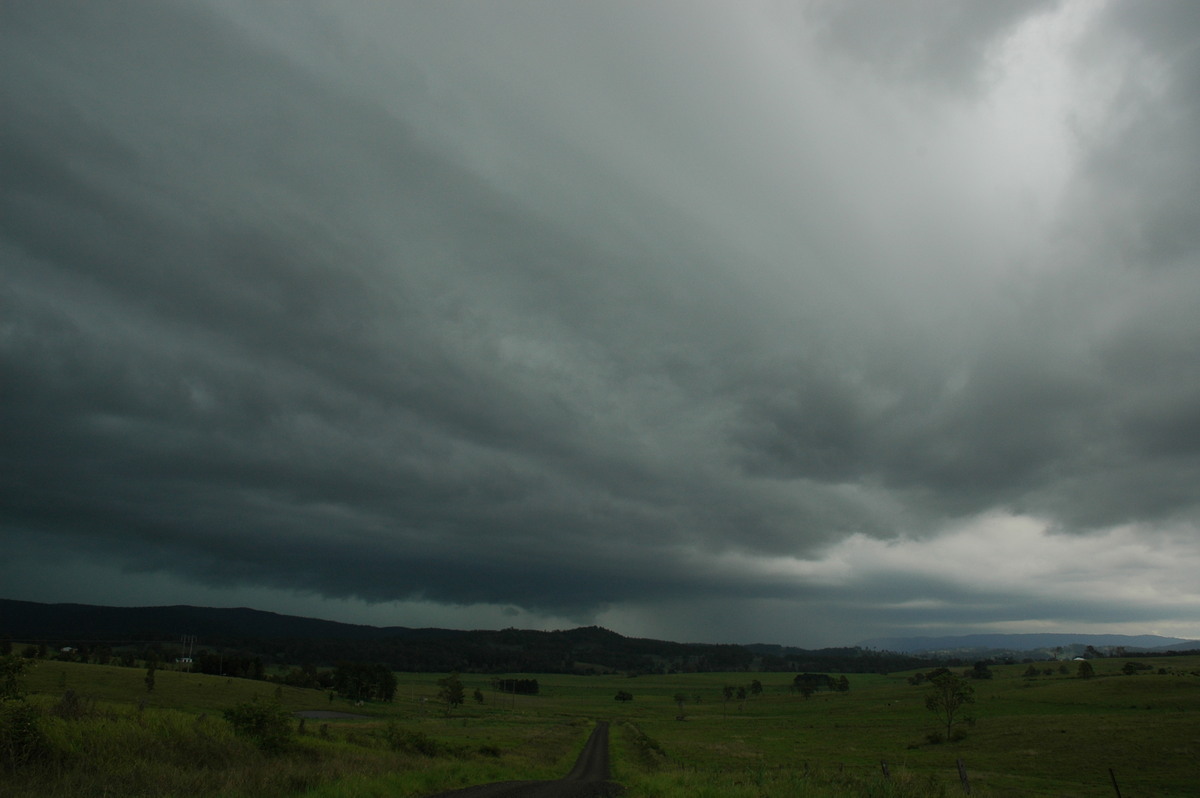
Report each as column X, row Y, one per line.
column 290, row 640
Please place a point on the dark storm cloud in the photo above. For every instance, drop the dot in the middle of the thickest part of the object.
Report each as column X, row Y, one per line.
column 213, row 360
column 570, row 307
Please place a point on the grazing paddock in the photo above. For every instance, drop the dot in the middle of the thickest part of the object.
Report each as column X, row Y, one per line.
column 103, row 733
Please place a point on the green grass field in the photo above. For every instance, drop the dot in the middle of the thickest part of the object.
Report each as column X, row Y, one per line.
column 1051, row 735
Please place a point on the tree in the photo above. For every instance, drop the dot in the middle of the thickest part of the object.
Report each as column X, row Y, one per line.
column 1086, row 671
column 149, row 680
column 756, row 688
column 947, row 696
column 12, row 668
column 360, row 681
column 450, row 690
column 623, row 696
column 478, row 696
column 809, row 683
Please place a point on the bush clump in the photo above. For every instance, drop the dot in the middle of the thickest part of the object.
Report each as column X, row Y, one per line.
column 22, row 740
column 412, row 742
column 268, row 725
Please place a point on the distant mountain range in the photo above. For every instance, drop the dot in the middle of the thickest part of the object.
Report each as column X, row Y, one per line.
column 291, row 640
column 1027, row 643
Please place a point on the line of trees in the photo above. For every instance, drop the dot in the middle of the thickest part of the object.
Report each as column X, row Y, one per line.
column 808, row 683
column 518, row 686
column 360, row 681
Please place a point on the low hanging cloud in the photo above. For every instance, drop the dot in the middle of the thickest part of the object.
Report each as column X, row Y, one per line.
column 603, row 312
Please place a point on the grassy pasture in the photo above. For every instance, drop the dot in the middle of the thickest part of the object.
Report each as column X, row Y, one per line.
column 1053, row 735
column 1049, row 735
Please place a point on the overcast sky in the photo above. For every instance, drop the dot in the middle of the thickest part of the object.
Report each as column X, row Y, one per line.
column 755, row 321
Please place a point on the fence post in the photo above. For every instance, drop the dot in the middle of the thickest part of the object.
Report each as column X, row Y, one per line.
column 962, row 776
column 1116, row 786
column 886, row 773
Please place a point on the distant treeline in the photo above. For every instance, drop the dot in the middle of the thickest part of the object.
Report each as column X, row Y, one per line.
column 519, row 686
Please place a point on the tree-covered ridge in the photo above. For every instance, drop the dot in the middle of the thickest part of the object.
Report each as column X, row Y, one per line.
column 245, row 640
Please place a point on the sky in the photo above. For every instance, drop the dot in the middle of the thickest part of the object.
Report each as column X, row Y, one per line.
column 767, row 321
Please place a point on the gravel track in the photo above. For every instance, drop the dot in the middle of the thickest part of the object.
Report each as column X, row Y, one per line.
column 588, row 779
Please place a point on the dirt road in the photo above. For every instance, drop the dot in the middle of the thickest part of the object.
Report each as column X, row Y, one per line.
column 588, row 779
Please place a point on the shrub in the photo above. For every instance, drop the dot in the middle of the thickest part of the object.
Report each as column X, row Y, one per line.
column 21, row 737
column 268, row 725
column 412, row 742
column 72, row 707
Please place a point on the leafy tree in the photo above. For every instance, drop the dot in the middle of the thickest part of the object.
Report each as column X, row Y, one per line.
column 623, row 696
column 947, row 696
column 981, row 671
column 478, row 696
column 11, row 670
column 817, row 681
column 1086, row 671
column 756, row 688
column 450, row 690
column 843, row 684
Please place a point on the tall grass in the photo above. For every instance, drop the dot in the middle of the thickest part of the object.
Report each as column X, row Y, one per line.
column 101, row 733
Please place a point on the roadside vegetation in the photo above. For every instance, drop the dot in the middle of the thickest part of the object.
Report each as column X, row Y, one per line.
column 1029, row 729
